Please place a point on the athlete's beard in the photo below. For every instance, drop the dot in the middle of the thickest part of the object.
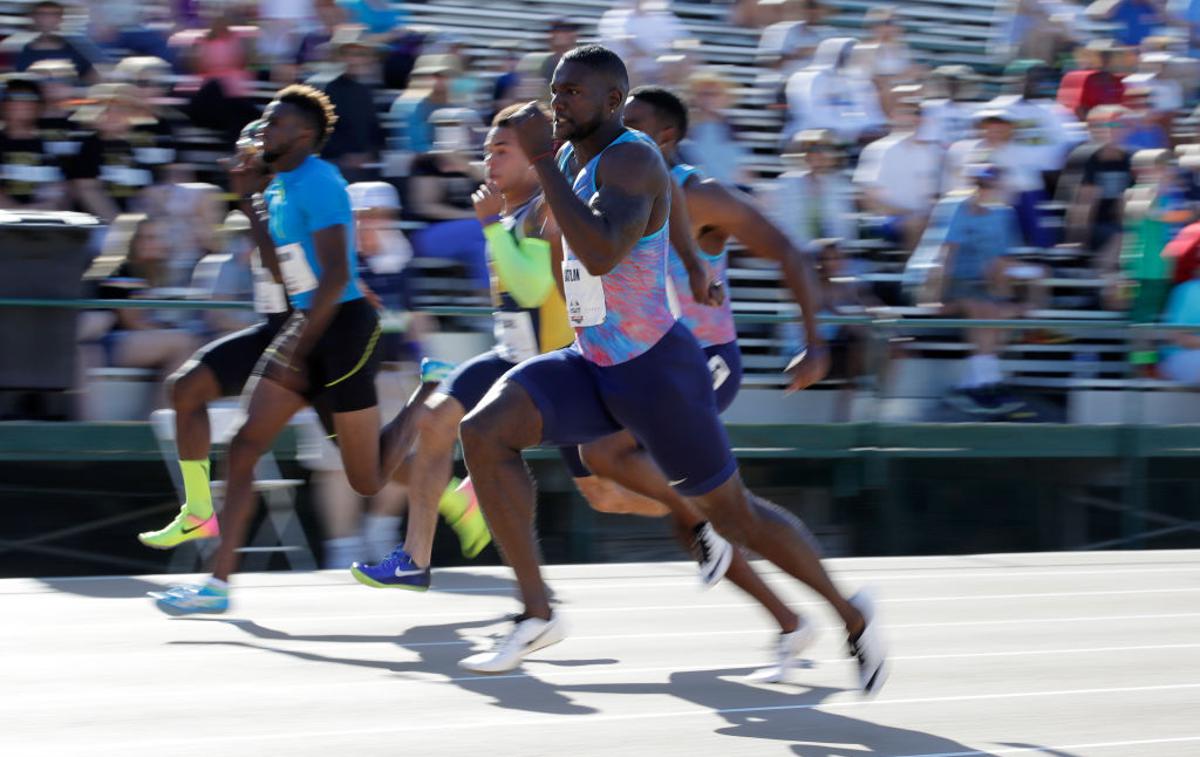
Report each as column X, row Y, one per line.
column 270, row 156
column 581, row 131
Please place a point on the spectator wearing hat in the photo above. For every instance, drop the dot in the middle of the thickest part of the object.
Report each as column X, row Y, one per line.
column 966, row 253
column 439, row 194
column 106, row 177
column 1096, row 82
column 712, row 144
column 1019, row 166
column 949, row 116
column 1093, row 187
column 357, row 139
column 29, row 172
column 900, row 175
column 48, row 42
column 428, row 90
column 1042, row 124
column 1156, row 210
column 813, row 200
column 155, row 135
column 383, row 250
column 562, row 36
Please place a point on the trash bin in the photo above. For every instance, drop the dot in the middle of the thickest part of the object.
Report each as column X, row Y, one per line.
column 43, row 255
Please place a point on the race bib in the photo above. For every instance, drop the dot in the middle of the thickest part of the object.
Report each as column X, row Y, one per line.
column 269, row 297
column 585, row 295
column 298, row 275
column 719, row 370
column 515, row 340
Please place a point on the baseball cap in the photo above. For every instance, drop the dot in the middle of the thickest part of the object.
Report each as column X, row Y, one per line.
column 373, row 195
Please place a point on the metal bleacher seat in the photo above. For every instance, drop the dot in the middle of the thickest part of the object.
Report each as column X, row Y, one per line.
column 280, row 532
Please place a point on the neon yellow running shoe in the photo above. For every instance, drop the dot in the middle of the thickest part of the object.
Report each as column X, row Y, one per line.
column 460, row 508
column 185, row 527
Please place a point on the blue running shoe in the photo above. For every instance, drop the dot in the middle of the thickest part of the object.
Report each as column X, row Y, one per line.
column 434, row 371
column 189, row 600
column 396, row 571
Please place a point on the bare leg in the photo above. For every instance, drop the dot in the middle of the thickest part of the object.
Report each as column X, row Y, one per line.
column 191, row 389
column 269, row 409
column 371, row 455
column 778, row 536
column 493, row 435
column 339, row 505
column 635, row 473
column 430, row 473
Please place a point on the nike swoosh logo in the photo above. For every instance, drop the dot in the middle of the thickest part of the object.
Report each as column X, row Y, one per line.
column 677, row 483
column 403, row 573
column 187, row 530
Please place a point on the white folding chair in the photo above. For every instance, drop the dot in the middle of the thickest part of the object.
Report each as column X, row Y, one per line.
column 281, row 532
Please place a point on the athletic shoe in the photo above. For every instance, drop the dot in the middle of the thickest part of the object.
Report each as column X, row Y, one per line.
column 528, row 635
column 460, row 507
column 396, row 571
column 712, row 552
column 868, row 649
column 434, row 371
column 788, row 647
column 189, row 600
column 185, row 527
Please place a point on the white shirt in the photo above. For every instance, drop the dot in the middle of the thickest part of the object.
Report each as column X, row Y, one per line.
column 907, row 173
column 807, row 207
column 1044, row 126
column 1021, row 165
column 947, row 121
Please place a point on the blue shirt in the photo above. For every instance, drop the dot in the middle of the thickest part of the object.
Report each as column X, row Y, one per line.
column 982, row 234
column 1183, row 309
column 1136, row 20
column 300, row 203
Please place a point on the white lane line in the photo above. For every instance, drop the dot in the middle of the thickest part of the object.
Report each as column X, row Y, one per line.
column 632, row 581
column 515, row 721
column 1061, row 747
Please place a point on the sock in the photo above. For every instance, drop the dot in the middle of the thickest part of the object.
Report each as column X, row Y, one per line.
column 379, row 535
column 341, row 552
column 456, row 500
column 217, row 585
column 198, row 495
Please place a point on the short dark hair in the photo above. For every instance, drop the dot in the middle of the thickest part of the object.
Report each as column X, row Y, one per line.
column 600, row 58
column 666, row 104
column 504, row 118
column 22, row 83
column 315, row 106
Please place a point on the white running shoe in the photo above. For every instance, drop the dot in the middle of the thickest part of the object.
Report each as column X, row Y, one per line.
column 527, row 636
column 788, row 647
column 868, row 649
column 712, row 552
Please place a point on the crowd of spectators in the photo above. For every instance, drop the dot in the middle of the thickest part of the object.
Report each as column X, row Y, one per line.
column 980, row 183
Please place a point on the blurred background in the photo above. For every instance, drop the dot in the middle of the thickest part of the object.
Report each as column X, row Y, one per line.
column 1000, row 199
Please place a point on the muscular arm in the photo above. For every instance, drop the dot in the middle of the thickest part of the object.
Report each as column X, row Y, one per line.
column 603, row 232
column 734, row 213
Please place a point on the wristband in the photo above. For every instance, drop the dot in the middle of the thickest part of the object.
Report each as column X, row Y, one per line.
column 493, row 218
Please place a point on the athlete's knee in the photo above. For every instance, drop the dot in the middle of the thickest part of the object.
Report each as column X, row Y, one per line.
column 365, row 483
column 188, row 386
column 248, row 445
column 502, row 424
column 437, row 426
